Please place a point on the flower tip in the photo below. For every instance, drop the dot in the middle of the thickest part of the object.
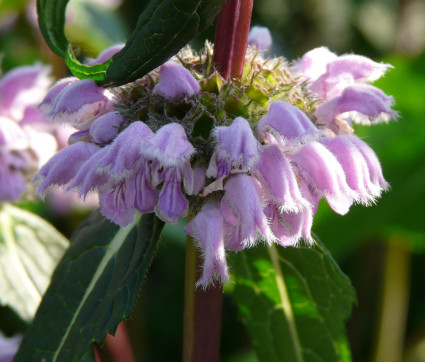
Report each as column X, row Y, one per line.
column 175, row 81
column 260, row 37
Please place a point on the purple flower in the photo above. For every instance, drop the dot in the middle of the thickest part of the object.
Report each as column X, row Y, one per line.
column 175, row 81
column 12, row 137
column 236, row 149
column 54, row 92
column 116, row 201
column 208, row 227
column 64, row 165
column 22, row 87
column 364, row 178
column 373, row 164
column 79, row 103
column 289, row 227
column 124, row 154
column 322, row 172
column 172, row 151
column 12, row 180
column 260, row 38
column 360, row 103
column 9, row 347
column 106, row 54
column 344, row 71
column 106, row 127
column 278, row 181
column 313, row 63
column 284, row 123
column 242, row 209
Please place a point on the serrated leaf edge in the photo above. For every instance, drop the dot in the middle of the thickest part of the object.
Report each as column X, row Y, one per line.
column 285, row 301
column 112, row 249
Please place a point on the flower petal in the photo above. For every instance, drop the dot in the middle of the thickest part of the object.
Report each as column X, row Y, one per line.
column 322, row 172
column 105, row 128
column 172, row 203
column 285, row 122
column 260, row 37
column 208, row 228
column 242, row 203
column 278, row 180
column 236, row 149
column 79, row 103
column 175, row 81
column 64, row 165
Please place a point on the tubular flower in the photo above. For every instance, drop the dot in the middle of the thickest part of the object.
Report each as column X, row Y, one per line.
column 27, row 138
column 248, row 161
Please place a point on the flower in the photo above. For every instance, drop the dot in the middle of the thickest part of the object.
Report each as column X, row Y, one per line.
column 175, row 82
column 260, row 38
column 9, row 347
column 27, row 139
column 247, row 160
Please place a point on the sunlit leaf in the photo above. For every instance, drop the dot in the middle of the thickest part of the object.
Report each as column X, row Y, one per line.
column 93, row 288
column 294, row 302
column 30, row 248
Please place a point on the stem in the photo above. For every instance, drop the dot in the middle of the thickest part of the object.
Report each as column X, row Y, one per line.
column 231, row 37
column 119, row 346
column 394, row 304
column 202, row 313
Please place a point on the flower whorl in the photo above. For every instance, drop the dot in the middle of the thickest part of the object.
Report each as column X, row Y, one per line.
column 249, row 160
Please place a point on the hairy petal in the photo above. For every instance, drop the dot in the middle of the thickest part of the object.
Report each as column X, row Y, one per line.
column 64, row 165
column 208, row 228
column 175, row 81
column 242, row 209
column 236, row 149
column 322, row 172
column 79, row 103
column 105, row 128
column 278, row 180
column 284, row 123
column 313, row 63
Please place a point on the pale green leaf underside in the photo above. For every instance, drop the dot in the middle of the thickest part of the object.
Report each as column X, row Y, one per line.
column 294, row 302
column 30, row 248
column 93, row 288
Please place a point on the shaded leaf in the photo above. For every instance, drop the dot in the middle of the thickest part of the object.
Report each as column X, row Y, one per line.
column 294, row 302
column 51, row 19
column 93, row 288
column 30, row 248
column 163, row 28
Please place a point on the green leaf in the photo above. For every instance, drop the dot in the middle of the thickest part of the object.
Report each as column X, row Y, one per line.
column 294, row 302
column 30, row 248
column 93, row 288
column 51, row 19
column 161, row 31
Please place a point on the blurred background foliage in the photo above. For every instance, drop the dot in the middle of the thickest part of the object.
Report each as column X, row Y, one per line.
column 381, row 248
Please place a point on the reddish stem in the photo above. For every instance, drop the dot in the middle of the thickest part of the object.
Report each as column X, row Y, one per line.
column 202, row 314
column 231, row 37
column 119, row 346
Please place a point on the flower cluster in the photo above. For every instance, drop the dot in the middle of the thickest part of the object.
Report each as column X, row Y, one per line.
column 248, row 159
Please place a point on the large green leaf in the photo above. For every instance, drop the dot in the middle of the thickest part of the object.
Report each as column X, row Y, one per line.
column 294, row 302
column 161, row 31
column 93, row 288
column 30, row 248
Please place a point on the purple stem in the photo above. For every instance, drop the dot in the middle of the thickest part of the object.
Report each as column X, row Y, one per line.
column 231, row 37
